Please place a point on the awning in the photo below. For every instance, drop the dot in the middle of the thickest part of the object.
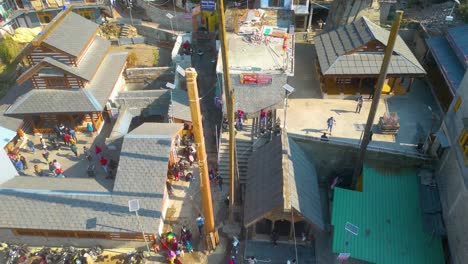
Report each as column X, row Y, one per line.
column 444, row 143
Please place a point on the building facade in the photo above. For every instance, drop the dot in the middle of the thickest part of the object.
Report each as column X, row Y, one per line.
column 73, row 76
column 451, row 147
column 35, row 13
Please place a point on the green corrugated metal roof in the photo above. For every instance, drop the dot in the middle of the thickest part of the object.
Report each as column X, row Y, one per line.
column 388, row 215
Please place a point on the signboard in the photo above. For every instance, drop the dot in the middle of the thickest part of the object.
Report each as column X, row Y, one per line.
column 180, row 70
column 343, row 256
column 352, row 228
column 169, row 15
column 133, row 205
column 208, row 5
column 252, row 78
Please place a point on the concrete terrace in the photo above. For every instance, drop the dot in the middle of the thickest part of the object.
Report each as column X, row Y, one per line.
column 306, row 118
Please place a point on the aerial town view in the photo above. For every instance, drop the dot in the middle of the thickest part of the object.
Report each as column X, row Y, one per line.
column 234, row 131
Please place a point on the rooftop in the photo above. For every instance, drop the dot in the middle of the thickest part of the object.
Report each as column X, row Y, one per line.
column 90, row 99
column 71, row 34
column 260, row 35
column 81, row 204
column 281, row 177
column 389, row 220
column 337, row 56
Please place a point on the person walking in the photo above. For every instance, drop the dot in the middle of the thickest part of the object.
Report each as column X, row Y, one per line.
column 330, row 123
column 274, row 237
column 103, row 162
column 45, row 154
column 23, row 160
column 87, row 153
column 219, row 179
column 66, row 139
column 72, row 133
column 98, row 151
column 19, row 165
column 90, row 129
column 31, row 146
column 74, row 149
column 43, row 143
column 359, row 104
column 200, row 223
column 52, row 168
column 57, row 165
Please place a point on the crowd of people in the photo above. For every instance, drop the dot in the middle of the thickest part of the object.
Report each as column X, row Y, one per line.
column 63, row 138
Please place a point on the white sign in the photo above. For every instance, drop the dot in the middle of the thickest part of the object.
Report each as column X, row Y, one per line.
column 288, row 88
column 169, row 15
column 180, row 70
column 352, row 228
column 343, row 256
column 133, row 205
column 170, row 85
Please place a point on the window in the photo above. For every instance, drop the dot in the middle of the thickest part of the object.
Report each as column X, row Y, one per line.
column 457, row 104
column 56, row 82
column 463, row 142
column 276, row 3
column 44, row 17
column 86, row 13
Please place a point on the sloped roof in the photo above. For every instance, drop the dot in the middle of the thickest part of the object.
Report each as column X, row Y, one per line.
column 281, row 177
column 334, row 51
column 90, row 99
column 388, row 215
column 180, row 105
column 85, row 70
column 71, row 34
column 145, row 150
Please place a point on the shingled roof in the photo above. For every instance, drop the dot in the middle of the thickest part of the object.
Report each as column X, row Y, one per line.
column 71, row 34
column 337, row 56
column 90, row 99
column 280, row 176
column 83, row 205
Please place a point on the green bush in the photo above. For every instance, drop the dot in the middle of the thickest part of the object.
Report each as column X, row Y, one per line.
column 463, row 12
column 155, row 57
column 9, row 49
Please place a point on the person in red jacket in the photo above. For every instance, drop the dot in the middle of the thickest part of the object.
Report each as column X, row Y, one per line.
column 98, row 151
column 103, row 162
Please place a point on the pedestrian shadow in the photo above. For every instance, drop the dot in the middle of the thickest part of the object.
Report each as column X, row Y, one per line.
column 339, row 111
column 313, row 130
column 36, row 161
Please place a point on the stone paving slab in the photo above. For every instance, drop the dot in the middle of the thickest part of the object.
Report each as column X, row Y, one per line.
column 307, row 117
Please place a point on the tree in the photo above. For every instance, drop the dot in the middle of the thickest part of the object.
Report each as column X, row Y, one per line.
column 463, row 11
column 9, row 49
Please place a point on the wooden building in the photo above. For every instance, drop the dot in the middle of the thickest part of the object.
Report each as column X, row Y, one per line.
column 282, row 189
column 73, row 76
column 350, row 58
column 83, row 213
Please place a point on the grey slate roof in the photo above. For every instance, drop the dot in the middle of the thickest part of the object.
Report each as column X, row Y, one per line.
column 143, row 161
column 90, row 99
column 74, row 204
column 280, row 177
column 336, row 56
column 156, row 102
column 251, row 98
column 72, row 34
column 180, row 105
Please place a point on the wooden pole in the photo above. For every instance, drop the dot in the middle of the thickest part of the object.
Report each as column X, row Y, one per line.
column 377, row 92
column 230, row 108
column 194, row 100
